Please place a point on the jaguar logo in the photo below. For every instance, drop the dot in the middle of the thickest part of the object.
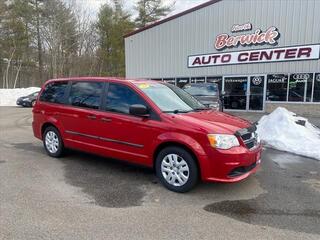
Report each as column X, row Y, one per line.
column 256, row 80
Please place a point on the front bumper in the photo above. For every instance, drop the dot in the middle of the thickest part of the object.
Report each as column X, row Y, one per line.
column 231, row 165
column 19, row 102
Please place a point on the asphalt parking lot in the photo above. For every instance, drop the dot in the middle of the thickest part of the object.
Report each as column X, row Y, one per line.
column 82, row 196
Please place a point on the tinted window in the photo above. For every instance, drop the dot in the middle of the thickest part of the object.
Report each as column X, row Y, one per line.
column 181, row 82
column 202, row 90
column 54, row 92
column 217, row 80
column 277, row 87
column 198, row 80
column 170, row 80
column 34, row 94
column 120, row 97
column 86, row 94
column 316, row 93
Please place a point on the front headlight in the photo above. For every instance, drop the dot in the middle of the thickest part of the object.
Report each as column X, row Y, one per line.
column 223, row 141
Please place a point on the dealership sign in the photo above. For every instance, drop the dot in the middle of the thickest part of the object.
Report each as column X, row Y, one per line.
column 294, row 53
column 270, row 36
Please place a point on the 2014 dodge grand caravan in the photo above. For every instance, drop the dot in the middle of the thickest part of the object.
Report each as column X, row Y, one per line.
column 149, row 123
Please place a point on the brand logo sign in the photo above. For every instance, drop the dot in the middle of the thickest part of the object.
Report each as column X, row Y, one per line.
column 259, row 37
column 294, row 53
column 301, row 76
column 277, row 78
column 256, row 80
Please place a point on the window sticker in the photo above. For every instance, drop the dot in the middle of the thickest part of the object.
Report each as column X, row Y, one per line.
column 144, row 86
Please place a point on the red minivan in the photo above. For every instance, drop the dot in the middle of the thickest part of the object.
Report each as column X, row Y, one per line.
column 149, row 123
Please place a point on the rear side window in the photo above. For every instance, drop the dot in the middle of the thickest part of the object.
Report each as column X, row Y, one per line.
column 54, row 92
column 86, row 94
column 120, row 97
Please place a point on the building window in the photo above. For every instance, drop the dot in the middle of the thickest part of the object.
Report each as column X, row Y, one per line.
column 217, row 80
column 316, row 91
column 309, row 87
column 235, row 92
column 170, row 80
column 156, row 79
column 198, row 80
column 298, row 85
column 181, row 82
column 277, row 85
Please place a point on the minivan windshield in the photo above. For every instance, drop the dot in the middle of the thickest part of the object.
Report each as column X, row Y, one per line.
column 202, row 89
column 170, row 98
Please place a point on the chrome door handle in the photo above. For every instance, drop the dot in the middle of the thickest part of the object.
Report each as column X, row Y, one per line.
column 92, row 117
column 106, row 119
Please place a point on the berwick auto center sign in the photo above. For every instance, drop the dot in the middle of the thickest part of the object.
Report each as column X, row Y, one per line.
column 270, row 37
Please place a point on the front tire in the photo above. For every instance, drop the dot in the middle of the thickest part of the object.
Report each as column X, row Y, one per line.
column 177, row 169
column 52, row 142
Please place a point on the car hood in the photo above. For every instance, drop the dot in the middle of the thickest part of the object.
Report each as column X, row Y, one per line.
column 211, row 121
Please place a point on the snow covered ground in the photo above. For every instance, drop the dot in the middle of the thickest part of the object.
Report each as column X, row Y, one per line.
column 280, row 130
column 8, row 97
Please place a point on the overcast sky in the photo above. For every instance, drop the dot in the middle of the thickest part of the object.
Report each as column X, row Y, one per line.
column 181, row 5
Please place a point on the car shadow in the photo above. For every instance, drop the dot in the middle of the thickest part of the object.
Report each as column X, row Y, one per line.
column 112, row 183
column 118, row 184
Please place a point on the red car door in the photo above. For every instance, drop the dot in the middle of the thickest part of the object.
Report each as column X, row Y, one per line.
column 80, row 115
column 125, row 136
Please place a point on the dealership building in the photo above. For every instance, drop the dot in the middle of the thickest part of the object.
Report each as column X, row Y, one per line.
column 261, row 53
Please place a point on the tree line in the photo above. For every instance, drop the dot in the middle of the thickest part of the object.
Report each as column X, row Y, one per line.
column 44, row 39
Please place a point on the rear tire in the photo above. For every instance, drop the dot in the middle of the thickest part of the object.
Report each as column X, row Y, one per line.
column 52, row 142
column 177, row 169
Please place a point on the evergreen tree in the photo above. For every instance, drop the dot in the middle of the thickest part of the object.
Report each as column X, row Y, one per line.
column 113, row 23
column 150, row 11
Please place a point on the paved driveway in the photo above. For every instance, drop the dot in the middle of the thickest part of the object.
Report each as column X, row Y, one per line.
column 82, row 196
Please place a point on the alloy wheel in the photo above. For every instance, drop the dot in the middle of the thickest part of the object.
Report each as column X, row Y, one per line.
column 52, row 142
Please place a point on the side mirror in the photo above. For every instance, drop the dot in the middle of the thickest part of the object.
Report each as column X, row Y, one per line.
column 139, row 110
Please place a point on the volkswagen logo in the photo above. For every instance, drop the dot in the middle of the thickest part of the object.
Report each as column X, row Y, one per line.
column 318, row 78
column 256, row 80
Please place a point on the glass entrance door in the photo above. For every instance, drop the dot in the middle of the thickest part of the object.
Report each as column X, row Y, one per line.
column 236, row 91
column 256, row 93
column 244, row 92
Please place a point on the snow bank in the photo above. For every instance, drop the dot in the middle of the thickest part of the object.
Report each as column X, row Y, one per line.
column 280, row 130
column 8, row 97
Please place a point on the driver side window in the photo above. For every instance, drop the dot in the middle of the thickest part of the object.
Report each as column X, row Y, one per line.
column 120, row 98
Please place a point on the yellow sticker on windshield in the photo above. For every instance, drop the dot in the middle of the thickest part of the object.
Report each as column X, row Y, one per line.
column 144, row 86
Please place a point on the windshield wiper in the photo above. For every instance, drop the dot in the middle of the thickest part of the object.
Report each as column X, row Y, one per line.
column 177, row 111
column 200, row 109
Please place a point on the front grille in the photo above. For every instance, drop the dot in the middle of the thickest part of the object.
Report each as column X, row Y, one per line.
column 241, row 170
column 249, row 136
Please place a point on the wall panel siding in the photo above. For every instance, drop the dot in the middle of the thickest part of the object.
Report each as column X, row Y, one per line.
column 162, row 51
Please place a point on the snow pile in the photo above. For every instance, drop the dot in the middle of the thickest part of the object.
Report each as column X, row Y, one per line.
column 8, row 97
column 281, row 131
